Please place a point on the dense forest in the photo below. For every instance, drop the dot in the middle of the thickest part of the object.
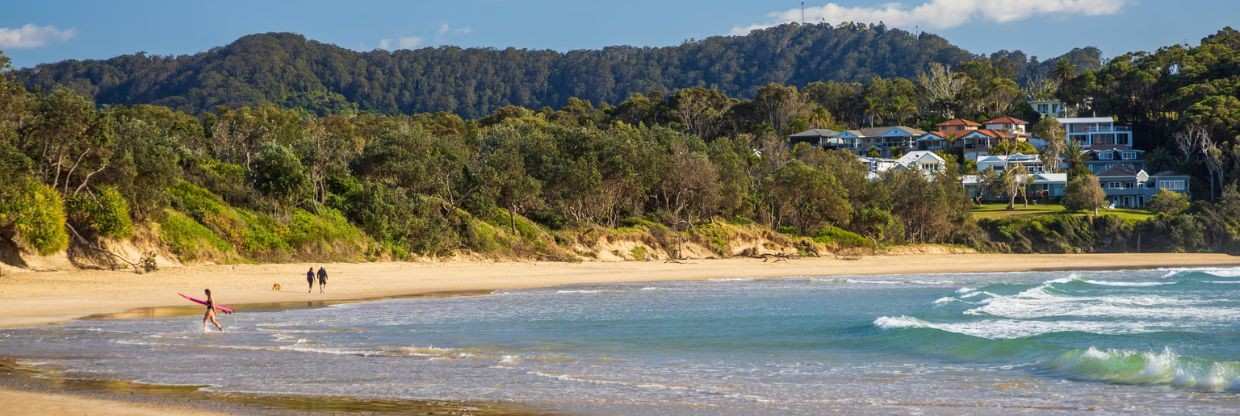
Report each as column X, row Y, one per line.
column 290, row 71
column 267, row 182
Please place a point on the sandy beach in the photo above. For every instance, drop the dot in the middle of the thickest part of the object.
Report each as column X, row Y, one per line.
column 41, row 298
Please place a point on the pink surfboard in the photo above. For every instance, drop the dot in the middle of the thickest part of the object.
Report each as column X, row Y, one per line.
column 222, row 308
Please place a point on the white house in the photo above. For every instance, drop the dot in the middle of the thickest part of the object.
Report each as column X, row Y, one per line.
column 925, row 161
column 1096, row 132
column 1032, row 163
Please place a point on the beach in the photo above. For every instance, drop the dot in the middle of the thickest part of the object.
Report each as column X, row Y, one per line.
column 30, row 299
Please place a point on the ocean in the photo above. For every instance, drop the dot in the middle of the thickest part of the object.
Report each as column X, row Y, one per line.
column 1089, row 342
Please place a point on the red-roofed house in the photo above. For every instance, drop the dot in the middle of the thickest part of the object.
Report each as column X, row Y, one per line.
column 1009, row 124
column 957, row 125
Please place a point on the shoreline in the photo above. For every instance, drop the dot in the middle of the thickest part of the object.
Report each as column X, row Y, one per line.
column 48, row 298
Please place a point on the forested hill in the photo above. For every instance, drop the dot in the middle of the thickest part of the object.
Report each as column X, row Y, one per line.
column 289, row 70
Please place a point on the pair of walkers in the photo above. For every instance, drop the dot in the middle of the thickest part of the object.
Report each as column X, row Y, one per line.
column 322, row 275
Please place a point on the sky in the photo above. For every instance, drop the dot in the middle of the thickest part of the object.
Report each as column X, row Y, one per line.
column 34, row 32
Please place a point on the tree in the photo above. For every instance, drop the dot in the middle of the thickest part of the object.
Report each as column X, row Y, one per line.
column 1195, row 140
column 808, row 197
column 700, row 110
column 1168, row 202
column 1049, row 129
column 689, row 190
column 1015, row 179
column 278, row 173
column 1085, row 193
column 779, row 105
column 940, row 87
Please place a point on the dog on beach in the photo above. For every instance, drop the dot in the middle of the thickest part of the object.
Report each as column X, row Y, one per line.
column 275, row 287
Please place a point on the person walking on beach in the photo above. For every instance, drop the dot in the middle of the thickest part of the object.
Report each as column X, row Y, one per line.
column 322, row 279
column 310, row 279
column 210, row 315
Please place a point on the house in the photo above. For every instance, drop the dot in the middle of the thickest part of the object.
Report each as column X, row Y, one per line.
column 957, row 125
column 1038, row 186
column 923, row 160
column 885, row 140
column 934, row 141
column 1100, row 160
column 815, row 137
column 1096, row 132
column 977, row 142
column 1032, row 163
column 876, row 166
column 1050, row 108
column 1126, row 187
column 890, row 137
column 1011, row 125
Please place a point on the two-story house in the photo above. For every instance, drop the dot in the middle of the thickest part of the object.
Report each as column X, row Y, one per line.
column 1032, row 163
column 1011, row 125
column 1100, row 160
column 1096, row 132
column 1129, row 188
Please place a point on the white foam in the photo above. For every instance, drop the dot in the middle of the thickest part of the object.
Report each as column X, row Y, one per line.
column 1012, row 329
column 1120, row 283
column 1156, row 368
column 579, row 291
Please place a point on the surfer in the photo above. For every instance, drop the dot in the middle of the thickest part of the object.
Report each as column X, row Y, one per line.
column 310, row 279
column 210, row 315
column 322, row 279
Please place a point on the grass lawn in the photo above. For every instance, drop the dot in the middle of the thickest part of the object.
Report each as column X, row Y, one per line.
column 999, row 210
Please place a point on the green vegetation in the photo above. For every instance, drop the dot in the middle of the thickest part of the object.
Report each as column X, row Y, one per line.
column 303, row 175
column 288, row 70
column 106, row 214
column 192, row 241
column 36, row 217
column 1000, row 211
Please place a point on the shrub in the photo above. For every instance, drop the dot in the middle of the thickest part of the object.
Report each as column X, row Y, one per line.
column 36, row 214
column 840, row 238
column 189, row 239
column 1168, row 202
column 105, row 214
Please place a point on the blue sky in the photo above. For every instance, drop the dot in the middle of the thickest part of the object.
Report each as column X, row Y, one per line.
column 34, row 32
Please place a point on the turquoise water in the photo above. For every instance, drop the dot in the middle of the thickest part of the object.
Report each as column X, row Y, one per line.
column 1118, row 342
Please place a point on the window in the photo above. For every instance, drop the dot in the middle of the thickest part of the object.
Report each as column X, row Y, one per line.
column 1105, row 155
column 1130, row 155
column 1178, row 185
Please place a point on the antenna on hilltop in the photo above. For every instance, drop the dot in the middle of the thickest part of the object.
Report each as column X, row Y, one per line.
column 802, row 13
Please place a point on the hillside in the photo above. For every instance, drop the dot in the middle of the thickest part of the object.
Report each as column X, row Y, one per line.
column 289, row 70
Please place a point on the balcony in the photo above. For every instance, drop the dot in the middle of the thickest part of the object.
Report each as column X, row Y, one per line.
column 1100, row 129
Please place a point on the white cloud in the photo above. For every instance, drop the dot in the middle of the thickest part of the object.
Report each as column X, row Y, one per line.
column 446, row 29
column 31, row 36
column 403, row 42
column 940, row 14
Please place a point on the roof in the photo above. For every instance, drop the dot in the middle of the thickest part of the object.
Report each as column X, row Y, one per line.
column 1042, row 178
column 1169, row 173
column 1006, row 120
column 1118, row 171
column 882, row 131
column 816, row 133
column 916, row 155
column 1078, row 120
column 959, row 122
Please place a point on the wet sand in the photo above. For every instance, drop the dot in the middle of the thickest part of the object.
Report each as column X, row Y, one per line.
column 41, row 298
